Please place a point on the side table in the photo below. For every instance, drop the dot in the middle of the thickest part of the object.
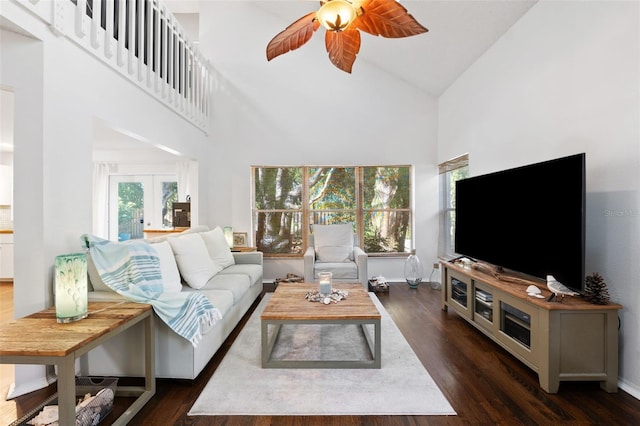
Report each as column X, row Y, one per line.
column 40, row 339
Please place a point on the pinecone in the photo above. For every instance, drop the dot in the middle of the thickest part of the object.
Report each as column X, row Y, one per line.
column 596, row 289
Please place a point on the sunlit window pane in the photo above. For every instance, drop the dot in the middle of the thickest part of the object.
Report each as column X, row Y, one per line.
column 328, row 218
column 450, row 172
column 169, row 196
column 278, row 188
column 130, row 210
column 332, row 188
column 387, row 231
column 386, row 188
column 375, row 199
column 279, row 232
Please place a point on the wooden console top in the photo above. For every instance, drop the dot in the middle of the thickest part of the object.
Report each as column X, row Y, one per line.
column 40, row 334
column 518, row 289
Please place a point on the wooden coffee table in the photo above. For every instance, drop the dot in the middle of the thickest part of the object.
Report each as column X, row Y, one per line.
column 288, row 305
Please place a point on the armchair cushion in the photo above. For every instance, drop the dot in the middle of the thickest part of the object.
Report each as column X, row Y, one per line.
column 339, row 270
column 333, row 243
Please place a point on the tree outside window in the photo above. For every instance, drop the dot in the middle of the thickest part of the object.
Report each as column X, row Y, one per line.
column 288, row 200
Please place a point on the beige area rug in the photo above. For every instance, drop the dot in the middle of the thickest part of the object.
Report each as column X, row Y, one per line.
column 240, row 386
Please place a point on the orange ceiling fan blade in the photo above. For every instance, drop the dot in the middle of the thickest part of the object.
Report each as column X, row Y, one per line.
column 294, row 36
column 343, row 47
column 388, row 18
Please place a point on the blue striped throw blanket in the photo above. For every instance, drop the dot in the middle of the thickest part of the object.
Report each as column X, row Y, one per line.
column 132, row 269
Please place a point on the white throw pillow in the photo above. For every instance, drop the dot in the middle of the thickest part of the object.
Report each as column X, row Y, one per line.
column 333, row 243
column 168, row 268
column 192, row 257
column 218, row 247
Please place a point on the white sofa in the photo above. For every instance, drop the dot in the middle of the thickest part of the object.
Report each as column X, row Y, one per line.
column 232, row 290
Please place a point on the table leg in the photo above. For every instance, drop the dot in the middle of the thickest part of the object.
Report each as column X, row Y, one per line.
column 67, row 390
column 378, row 347
column 149, row 355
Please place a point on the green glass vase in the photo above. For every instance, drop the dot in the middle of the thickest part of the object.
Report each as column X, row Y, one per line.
column 71, row 297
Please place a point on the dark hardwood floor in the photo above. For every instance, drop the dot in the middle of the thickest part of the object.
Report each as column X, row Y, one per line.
column 484, row 384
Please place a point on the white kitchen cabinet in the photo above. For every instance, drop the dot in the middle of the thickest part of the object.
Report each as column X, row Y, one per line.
column 6, row 257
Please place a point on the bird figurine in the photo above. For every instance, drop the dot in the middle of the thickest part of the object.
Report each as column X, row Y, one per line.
column 557, row 288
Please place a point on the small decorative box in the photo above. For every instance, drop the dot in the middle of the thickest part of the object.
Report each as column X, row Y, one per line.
column 378, row 285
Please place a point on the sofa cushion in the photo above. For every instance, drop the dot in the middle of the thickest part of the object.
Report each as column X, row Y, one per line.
column 168, row 268
column 333, row 243
column 235, row 283
column 221, row 299
column 218, row 247
column 192, row 257
column 253, row 271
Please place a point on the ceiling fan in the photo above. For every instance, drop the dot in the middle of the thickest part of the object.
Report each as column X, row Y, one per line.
column 343, row 20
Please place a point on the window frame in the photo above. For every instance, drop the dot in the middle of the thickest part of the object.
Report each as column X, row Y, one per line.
column 446, row 239
column 359, row 210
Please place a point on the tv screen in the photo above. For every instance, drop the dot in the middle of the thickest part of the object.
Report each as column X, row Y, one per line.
column 529, row 219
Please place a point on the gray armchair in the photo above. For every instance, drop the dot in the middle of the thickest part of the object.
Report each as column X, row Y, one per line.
column 334, row 248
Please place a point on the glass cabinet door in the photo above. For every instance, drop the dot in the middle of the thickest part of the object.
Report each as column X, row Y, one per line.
column 516, row 324
column 459, row 291
column 483, row 302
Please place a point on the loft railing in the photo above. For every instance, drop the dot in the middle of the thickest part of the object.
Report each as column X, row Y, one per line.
column 143, row 41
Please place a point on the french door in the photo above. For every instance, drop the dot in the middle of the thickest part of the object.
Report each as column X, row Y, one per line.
column 140, row 202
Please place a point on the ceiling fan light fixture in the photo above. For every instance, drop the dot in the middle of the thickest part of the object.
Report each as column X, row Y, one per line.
column 344, row 20
column 336, row 15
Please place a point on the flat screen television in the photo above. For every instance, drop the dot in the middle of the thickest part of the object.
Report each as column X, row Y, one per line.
column 529, row 219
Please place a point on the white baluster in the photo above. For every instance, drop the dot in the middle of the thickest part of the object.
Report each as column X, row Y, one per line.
column 157, row 37
column 140, row 44
column 170, row 59
column 164, row 48
column 108, row 33
column 95, row 23
column 148, row 33
column 81, row 18
column 122, row 31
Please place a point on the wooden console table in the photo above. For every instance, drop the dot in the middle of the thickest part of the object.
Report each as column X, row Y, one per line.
column 569, row 341
column 40, row 339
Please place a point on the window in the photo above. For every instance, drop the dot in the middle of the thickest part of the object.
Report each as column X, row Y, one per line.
column 137, row 203
column 450, row 171
column 288, row 200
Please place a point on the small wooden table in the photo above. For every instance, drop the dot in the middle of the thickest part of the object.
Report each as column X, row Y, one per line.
column 40, row 339
column 288, row 305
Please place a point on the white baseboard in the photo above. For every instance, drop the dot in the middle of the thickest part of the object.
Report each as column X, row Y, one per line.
column 629, row 388
column 29, row 378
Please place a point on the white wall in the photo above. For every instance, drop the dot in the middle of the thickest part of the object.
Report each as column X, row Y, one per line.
column 59, row 91
column 300, row 110
column 564, row 80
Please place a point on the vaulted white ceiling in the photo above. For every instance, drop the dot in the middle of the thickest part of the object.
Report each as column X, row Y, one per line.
column 460, row 31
